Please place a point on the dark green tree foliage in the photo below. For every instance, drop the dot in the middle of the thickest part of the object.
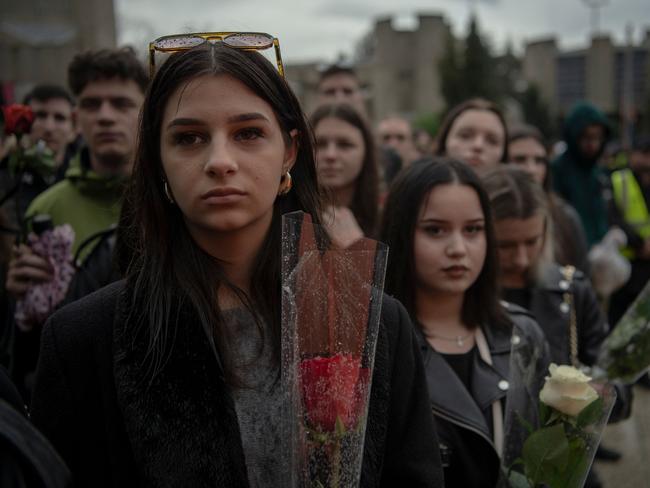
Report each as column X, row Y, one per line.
column 451, row 74
column 535, row 111
column 479, row 76
column 428, row 121
column 470, row 73
column 507, row 72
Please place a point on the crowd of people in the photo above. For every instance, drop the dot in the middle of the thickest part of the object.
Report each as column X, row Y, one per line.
column 148, row 353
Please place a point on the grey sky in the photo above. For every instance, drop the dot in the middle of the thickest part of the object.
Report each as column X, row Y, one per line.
column 317, row 30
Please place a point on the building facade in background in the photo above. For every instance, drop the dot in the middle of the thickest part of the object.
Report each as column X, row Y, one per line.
column 611, row 76
column 38, row 38
column 398, row 69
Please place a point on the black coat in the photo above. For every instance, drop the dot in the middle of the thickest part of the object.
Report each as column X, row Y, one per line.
column 26, row 458
column 464, row 417
column 553, row 315
column 114, row 430
column 547, row 306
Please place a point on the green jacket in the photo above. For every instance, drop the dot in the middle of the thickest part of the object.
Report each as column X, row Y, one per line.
column 86, row 200
column 580, row 180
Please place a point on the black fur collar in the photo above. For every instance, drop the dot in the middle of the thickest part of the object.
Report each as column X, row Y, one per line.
column 182, row 427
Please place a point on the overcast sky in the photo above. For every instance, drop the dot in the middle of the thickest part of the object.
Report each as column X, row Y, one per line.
column 318, row 30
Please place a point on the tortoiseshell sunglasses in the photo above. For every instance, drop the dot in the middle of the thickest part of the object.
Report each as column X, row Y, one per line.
column 249, row 41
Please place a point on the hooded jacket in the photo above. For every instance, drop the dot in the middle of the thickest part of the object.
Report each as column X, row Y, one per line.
column 88, row 201
column 577, row 178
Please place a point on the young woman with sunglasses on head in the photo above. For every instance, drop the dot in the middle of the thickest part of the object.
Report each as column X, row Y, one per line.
column 528, row 151
column 443, row 267
column 474, row 132
column 171, row 377
column 347, row 171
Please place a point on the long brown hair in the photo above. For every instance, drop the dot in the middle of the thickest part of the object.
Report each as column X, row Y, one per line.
column 365, row 202
column 440, row 141
column 514, row 194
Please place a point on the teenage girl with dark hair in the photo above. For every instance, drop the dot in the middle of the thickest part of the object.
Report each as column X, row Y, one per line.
column 171, row 377
column 474, row 132
column 443, row 267
column 347, row 170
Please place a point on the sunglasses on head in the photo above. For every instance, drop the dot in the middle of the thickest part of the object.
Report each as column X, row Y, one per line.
column 248, row 41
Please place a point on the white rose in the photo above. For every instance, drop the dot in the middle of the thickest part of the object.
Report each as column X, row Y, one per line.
column 567, row 390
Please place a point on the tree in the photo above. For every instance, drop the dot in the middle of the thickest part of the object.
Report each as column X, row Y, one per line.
column 535, row 110
column 471, row 74
column 451, row 86
column 428, row 121
column 478, row 68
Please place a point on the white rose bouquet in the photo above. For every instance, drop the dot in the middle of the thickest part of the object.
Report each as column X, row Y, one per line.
column 573, row 411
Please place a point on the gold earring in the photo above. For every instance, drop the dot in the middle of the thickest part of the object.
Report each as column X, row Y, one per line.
column 286, row 184
column 168, row 194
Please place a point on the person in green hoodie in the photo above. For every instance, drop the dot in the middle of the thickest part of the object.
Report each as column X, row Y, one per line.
column 577, row 177
column 109, row 86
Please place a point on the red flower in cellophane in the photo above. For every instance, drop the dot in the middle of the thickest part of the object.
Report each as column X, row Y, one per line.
column 18, row 119
column 330, row 391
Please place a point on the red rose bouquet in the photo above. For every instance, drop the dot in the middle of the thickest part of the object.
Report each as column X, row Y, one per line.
column 330, row 320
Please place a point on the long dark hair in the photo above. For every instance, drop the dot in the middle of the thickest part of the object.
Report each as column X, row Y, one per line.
column 365, row 202
column 401, row 212
column 440, row 141
column 165, row 269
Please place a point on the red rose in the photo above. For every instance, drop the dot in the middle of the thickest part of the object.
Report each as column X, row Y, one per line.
column 18, row 119
column 330, row 389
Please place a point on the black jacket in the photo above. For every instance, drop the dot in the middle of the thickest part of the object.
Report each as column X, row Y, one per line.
column 26, row 458
column 114, row 430
column 547, row 306
column 464, row 418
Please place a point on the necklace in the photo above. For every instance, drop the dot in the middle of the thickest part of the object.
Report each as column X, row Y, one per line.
column 459, row 340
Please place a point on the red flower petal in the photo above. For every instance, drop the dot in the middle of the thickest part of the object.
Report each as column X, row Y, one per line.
column 330, row 389
column 18, row 119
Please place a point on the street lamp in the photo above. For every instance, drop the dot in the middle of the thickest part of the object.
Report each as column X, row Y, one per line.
column 595, row 6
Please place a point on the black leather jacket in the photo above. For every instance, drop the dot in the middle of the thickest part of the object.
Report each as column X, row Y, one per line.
column 553, row 315
column 464, row 418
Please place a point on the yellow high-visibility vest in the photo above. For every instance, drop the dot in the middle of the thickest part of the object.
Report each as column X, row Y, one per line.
column 629, row 199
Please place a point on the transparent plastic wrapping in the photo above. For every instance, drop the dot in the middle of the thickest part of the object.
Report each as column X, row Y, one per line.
column 553, row 424
column 331, row 305
column 625, row 354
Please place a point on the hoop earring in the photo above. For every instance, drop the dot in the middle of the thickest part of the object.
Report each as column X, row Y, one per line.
column 287, row 184
column 168, row 194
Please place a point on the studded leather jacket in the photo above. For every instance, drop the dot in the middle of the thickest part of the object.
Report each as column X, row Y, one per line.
column 463, row 415
column 548, row 304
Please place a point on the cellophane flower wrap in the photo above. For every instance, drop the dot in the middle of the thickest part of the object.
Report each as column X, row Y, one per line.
column 625, row 354
column 331, row 305
column 552, row 445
